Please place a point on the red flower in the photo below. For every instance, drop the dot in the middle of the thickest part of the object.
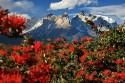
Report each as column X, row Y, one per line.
column 39, row 73
column 110, row 80
column 82, row 58
column 18, row 59
column 15, row 21
column 71, row 48
column 122, row 76
column 118, row 61
column 90, row 63
column 94, row 73
column 26, row 49
column 37, row 46
column 85, row 52
column 48, row 47
column 116, row 74
column 58, row 39
column 61, row 55
column 106, row 72
column 3, row 52
column 89, row 77
column 81, row 47
column 11, row 78
column 115, row 81
column 67, row 57
column 123, row 68
column 11, row 24
column 17, row 48
column 75, row 41
column 111, row 50
column 65, row 45
column 81, row 73
column 30, row 58
column 86, row 38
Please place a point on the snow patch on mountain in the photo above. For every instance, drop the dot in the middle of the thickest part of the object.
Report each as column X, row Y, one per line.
column 110, row 20
column 105, row 20
column 32, row 24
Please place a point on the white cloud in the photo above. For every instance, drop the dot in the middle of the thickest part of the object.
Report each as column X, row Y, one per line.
column 117, row 12
column 23, row 6
column 70, row 4
column 6, row 4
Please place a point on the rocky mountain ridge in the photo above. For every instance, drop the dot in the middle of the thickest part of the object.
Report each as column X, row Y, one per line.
column 54, row 26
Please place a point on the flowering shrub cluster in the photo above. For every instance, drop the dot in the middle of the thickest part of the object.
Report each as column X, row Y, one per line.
column 11, row 25
column 100, row 60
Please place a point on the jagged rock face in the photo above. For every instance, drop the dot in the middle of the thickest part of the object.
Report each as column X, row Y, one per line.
column 62, row 22
column 52, row 27
column 84, row 18
column 60, row 26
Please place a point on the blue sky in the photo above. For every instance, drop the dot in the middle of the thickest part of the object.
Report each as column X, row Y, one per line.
column 39, row 8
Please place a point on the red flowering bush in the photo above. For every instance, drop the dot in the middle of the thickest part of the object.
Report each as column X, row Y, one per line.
column 90, row 60
column 11, row 78
column 105, row 57
column 11, row 25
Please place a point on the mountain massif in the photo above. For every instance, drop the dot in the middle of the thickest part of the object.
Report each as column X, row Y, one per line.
column 53, row 26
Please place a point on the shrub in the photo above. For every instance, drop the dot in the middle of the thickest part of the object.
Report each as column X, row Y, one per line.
column 11, row 25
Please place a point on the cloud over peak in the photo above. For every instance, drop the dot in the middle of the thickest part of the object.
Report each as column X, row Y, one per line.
column 20, row 5
column 70, row 4
column 115, row 11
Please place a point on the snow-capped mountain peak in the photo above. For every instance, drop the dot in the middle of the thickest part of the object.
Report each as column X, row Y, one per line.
column 83, row 17
column 97, row 19
column 65, row 15
column 110, row 20
column 61, row 21
column 54, row 26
